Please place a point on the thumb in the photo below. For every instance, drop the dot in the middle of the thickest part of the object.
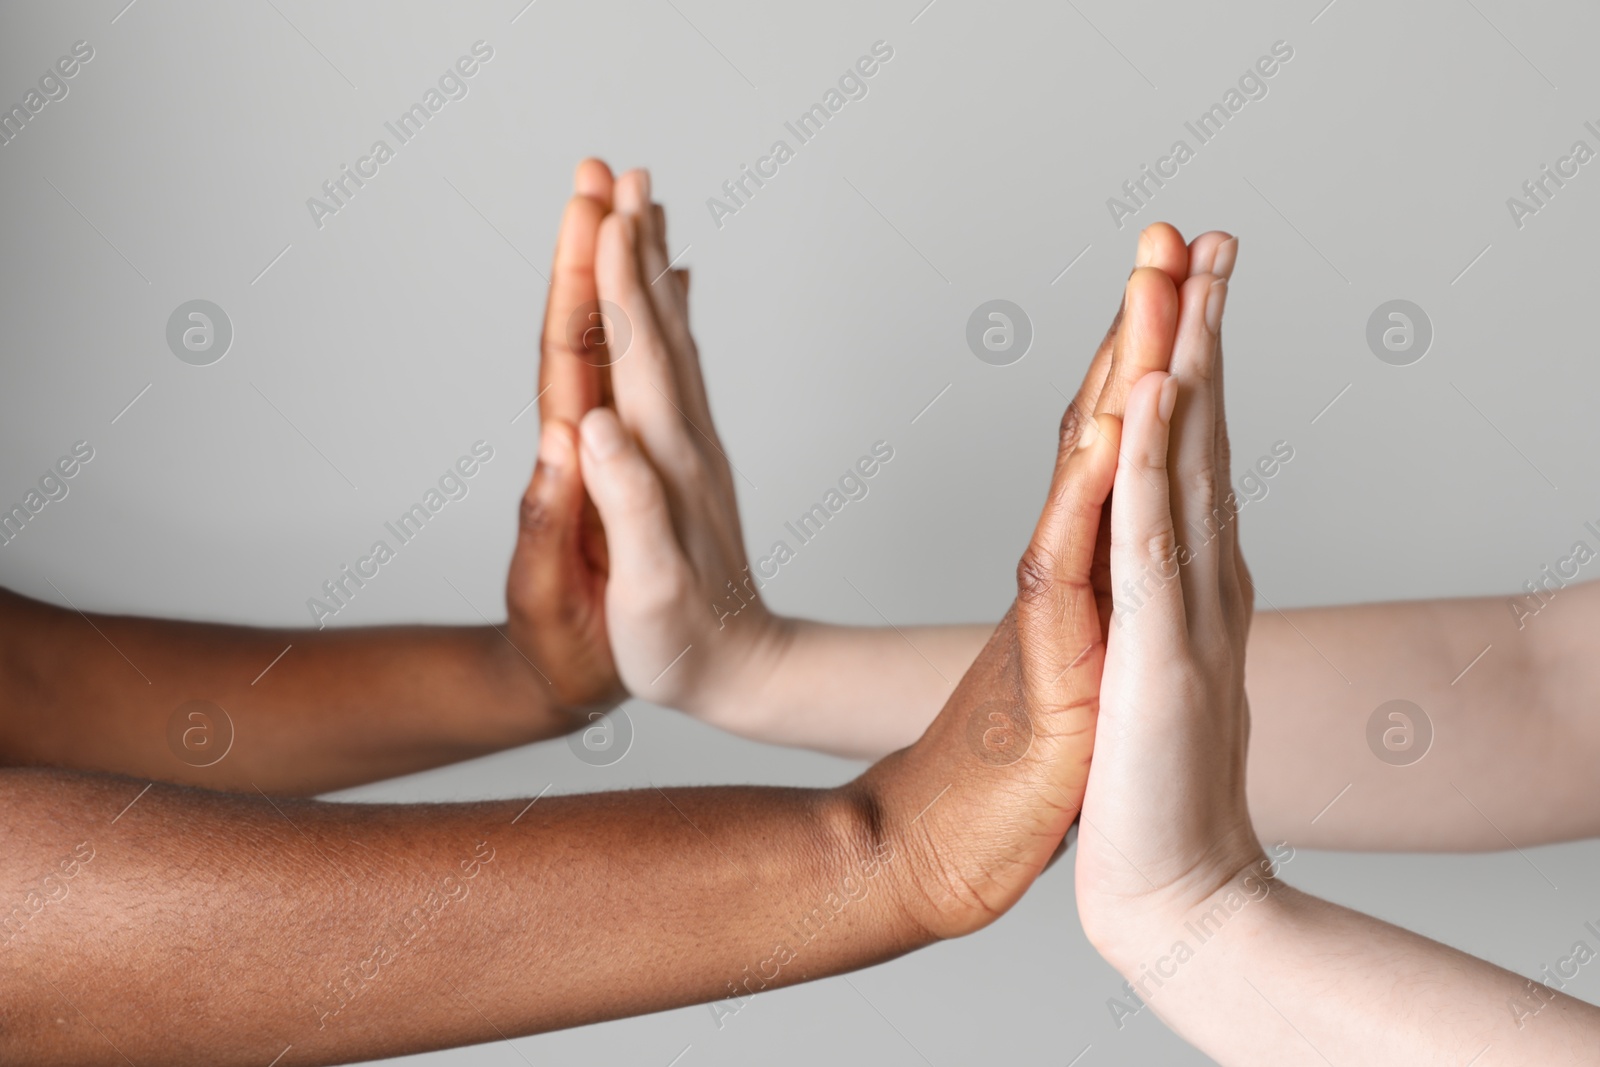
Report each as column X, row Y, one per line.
column 628, row 493
column 1058, row 625
column 551, row 518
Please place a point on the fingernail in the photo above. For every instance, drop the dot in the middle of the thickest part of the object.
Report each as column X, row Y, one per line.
column 555, row 448
column 1146, row 251
column 602, row 436
column 1169, row 399
column 1214, row 302
column 578, row 185
column 1226, row 251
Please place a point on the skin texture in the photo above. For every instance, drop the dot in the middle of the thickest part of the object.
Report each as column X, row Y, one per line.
column 357, row 931
column 555, row 588
column 688, row 626
column 969, row 813
column 350, row 706
column 1519, row 750
column 342, row 707
column 1173, row 885
column 1515, row 740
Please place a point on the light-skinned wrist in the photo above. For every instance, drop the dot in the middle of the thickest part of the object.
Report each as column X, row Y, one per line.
column 1155, row 934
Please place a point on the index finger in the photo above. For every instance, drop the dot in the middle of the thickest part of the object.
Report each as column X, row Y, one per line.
column 572, row 376
column 1144, row 337
column 1160, row 246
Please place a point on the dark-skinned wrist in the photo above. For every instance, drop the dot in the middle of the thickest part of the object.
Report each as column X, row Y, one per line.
column 527, row 705
column 866, row 843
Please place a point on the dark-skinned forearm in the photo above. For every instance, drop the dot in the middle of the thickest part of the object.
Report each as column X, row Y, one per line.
column 359, row 931
column 339, row 708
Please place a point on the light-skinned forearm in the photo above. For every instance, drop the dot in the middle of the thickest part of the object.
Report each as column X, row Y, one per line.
column 1513, row 744
column 1512, row 735
column 854, row 691
column 1278, row 978
column 341, row 707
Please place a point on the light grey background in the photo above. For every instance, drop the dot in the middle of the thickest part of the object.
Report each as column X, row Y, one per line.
column 370, row 353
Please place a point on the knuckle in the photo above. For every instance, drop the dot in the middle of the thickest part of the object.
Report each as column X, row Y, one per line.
column 535, row 515
column 1071, row 427
column 1203, row 487
column 1035, row 574
column 1161, row 545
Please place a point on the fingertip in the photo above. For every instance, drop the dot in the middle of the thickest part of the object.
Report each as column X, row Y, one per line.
column 1167, row 400
column 1149, row 324
column 1147, row 392
column 1151, row 310
column 602, row 435
column 1151, row 283
column 1227, row 253
column 1214, row 253
column 1162, row 248
column 633, row 191
column 1103, row 432
column 1192, row 349
column 557, row 450
column 1203, row 251
column 592, row 179
column 1146, row 430
column 1216, row 300
column 611, row 469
